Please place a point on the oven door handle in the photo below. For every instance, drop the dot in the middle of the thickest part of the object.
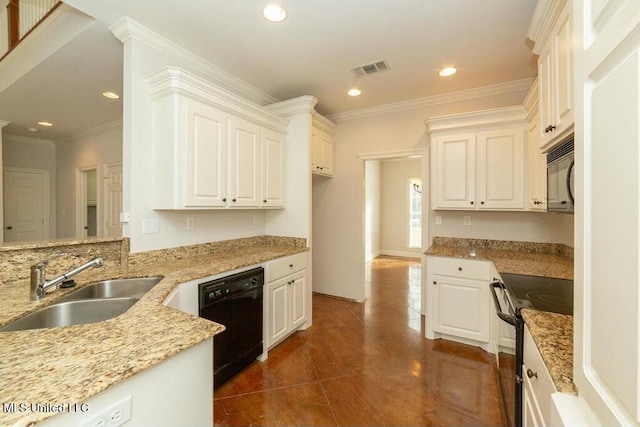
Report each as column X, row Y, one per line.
column 506, row 317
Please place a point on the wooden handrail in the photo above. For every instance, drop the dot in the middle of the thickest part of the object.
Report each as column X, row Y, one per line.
column 13, row 16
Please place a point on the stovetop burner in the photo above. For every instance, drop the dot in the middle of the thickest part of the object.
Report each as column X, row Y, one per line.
column 540, row 293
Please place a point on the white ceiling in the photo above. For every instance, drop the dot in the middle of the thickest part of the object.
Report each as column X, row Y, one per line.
column 313, row 51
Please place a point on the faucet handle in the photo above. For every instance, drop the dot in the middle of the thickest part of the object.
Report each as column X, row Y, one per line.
column 40, row 264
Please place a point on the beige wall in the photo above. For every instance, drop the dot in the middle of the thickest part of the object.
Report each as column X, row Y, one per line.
column 394, row 221
column 338, row 203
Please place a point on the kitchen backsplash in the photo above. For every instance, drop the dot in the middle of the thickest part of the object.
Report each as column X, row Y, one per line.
column 546, row 248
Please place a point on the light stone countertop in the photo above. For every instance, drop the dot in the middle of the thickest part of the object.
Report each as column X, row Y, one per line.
column 552, row 333
column 73, row 364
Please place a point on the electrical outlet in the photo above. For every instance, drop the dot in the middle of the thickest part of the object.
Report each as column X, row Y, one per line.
column 191, row 223
column 467, row 220
column 113, row 416
column 438, row 219
column 150, row 226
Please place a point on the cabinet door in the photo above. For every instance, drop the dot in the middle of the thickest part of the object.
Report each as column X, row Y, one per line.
column 279, row 322
column 273, row 169
column 461, row 307
column 298, row 288
column 607, row 250
column 537, row 170
column 562, row 50
column 530, row 413
column 545, row 97
column 205, row 169
column 244, row 163
column 321, row 152
column 500, row 175
column 454, row 163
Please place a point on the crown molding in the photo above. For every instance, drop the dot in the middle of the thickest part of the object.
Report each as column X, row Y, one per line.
column 530, row 102
column 544, row 17
column 463, row 95
column 27, row 140
column 97, row 130
column 171, row 81
column 127, row 29
column 301, row 104
column 3, row 123
column 323, row 123
column 502, row 116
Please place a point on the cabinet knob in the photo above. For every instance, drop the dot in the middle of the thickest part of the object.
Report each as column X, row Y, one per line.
column 9, row 228
column 482, row 203
column 291, row 265
column 435, row 283
column 233, row 200
column 531, row 374
column 264, row 201
column 551, row 128
column 459, row 268
column 224, row 200
column 471, row 202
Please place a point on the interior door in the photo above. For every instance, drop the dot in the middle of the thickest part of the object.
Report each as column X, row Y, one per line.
column 25, row 205
column 113, row 200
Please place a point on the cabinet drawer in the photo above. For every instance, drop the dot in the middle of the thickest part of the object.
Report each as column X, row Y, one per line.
column 539, row 380
column 458, row 267
column 284, row 266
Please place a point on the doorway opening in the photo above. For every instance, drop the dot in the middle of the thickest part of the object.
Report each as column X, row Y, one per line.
column 88, row 214
column 394, row 223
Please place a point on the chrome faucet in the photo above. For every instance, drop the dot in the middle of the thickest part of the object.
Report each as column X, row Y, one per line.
column 40, row 284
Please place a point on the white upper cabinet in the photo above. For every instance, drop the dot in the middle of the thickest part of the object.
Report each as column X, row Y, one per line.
column 477, row 160
column 322, row 146
column 537, row 160
column 244, row 163
column 554, row 44
column 213, row 149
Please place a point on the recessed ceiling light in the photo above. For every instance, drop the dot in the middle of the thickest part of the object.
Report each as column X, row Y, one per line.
column 33, row 130
column 274, row 13
column 448, row 71
column 354, row 92
column 110, row 95
column 47, row 124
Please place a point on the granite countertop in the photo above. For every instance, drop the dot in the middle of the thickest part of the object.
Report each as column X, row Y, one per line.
column 72, row 364
column 552, row 333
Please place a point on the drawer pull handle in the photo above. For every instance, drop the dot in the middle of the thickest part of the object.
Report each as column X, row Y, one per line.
column 531, row 374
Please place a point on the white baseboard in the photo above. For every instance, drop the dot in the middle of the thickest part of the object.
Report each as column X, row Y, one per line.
column 407, row 254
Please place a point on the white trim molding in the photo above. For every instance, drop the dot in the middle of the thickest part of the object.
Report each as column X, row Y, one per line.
column 463, row 95
column 97, row 130
column 394, row 154
column 502, row 116
column 545, row 15
column 290, row 107
column 126, row 29
column 28, row 140
column 417, row 253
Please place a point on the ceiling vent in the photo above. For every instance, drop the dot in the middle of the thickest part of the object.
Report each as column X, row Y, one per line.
column 368, row 69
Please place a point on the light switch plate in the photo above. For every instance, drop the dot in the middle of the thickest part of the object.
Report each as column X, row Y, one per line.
column 467, row 220
column 149, row 225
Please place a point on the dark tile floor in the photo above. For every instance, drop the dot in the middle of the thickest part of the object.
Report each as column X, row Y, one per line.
column 366, row 364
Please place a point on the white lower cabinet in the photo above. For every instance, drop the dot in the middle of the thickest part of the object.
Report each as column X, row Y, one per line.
column 459, row 300
column 287, row 293
column 537, row 387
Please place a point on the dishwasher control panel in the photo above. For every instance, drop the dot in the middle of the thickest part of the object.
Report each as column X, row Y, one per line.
column 220, row 289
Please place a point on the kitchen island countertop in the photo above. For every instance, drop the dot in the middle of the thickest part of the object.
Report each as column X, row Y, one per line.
column 73, row 364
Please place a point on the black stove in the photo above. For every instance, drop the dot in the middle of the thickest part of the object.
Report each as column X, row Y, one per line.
column 539, row 293
column 515, row 292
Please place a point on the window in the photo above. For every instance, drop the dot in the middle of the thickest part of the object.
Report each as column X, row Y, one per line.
column 415, row 212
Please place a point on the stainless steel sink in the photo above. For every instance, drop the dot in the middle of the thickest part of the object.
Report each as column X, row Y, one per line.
column 134, row 288
column 72, row 313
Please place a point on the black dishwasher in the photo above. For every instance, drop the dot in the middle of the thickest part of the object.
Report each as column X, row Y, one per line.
column 236, row 302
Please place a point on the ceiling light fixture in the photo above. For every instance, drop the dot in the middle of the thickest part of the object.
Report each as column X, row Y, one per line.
column 354, row 92
column 110, row 95
column 274, row 13
column 47, row 124
column 448, row 71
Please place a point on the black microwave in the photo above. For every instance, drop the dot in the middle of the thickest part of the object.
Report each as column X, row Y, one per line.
column 560, row 180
